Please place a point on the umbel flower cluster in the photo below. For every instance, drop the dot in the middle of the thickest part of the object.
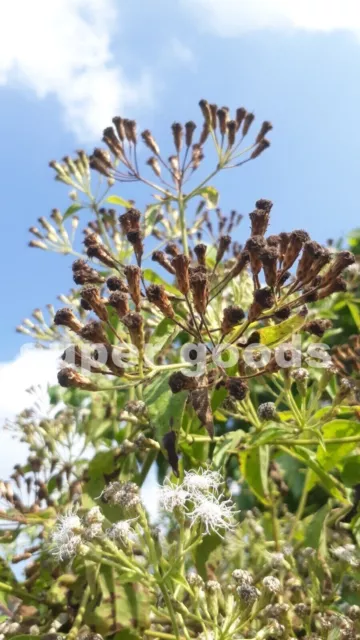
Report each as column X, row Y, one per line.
column 203, row 346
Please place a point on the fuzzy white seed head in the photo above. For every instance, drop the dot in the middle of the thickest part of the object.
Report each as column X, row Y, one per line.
column 202, row 481
column 172, row 496
column 214, row 515
column 271, row 584
column 122, row 531
column 94, row 516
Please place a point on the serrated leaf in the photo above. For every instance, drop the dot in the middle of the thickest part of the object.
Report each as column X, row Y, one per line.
column 164, row 407
column 277, row 334
column 118, row 201
column 72, row 210
column 254, row 467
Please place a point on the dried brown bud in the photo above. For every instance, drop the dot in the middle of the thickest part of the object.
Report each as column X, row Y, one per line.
column 102, row 254
column 296, row 241
column 317, row 327
column 130, row 221
column 223, row 116
column 342, row 260
column 120, row 302
column 200, row 252
column 119, row 126
column 133, row 276
column 189, row 132
column 83, row 274
column 273, row 241
column 283, row 313
column 284, row 241
column 236, row 387
column 263, row 203
column 242, row 261
column 255, row 245
column 111, row 358
column 111, row 140
column 259, row 221
column 150, row 142
column 231, row 130
column 224, row 244
column 155, row 165
column 91, row 295
column 130, row 130
column 135, row 238
column 177, row 131
column 262, row 146
column 265, row 128
column 78, row 357
column 197, row 155
column 232, row 317
column 100, row 160
column 161, row 258
column 206, row 111
column 67, row 377
column 269, row 258
column 263, row 299
column 114, row 283
column 135, row 324
column 181, row 265
column 311, row 251
column 178, row 381
column 66, row 318
column 158, row 296
column 94, row 332
column 335, row 286
column 204, row 135
column 240, row 115
column 200, row 291
column 200, row 401
column 248, row 120
column 172, row 249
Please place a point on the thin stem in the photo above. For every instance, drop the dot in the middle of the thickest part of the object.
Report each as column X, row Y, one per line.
column 181, row 203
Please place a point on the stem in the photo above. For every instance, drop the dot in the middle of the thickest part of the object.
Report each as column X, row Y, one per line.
column 181, row 203
column 302, row 504
column 80, row 614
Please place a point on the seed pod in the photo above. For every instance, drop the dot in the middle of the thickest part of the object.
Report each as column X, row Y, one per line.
column 263, row 203
column 206, row 111
column 177, row 131
column 102, row 254
column 296, row 241
column 269, row 258
column 265, row 128
column 114, row 283
column 255, row 245
column 130, row 221
column 248, row 120
column 199, row 399
column 157, row 295
column 130, row 130
column 236, row 387
column 181, row 265
column 150, row 142
column 189, row 132
column 267, row 411
column 100, row 161
column 263, row 299
column 311, row 251
column 119, row 301
column 111, row 140
column 273, row 241
column 223, row 116
column 161, row 258
column 240, row 115
column 178, row 381
column 134, row 323
column 91, row 295
column 155, row 165
column 197, row 155
column 284, row 241
column 94, row 332
column 67, row 377
column 83, row 274
column 335, row 286
column 204, row 135
column 200, row 291
column 231, row 131
column 341, row 261
column 132, row 274
column 135, row 238
column 231, row 318
column 119, row 126
column 200, row 252
column 66, row 318
column 317, row 265
column 259, row 221
column 224, row 244
column 262, row 146
column 283, row 313
column 172, row 249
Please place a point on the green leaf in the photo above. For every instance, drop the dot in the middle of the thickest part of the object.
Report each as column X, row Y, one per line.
column 254, row 466
column 153, row 277
column 210, row 195
column 354, row 310
column 164, row 334
column 333, row 486
column 119, row 201
column 315, row 536
column 276, row 334
column 351, row 471
column 230, row 441
column 70, row 212
column 203, row 552
column 151, row 216
column 164, row 407
column 334, row 453
column 272, row 432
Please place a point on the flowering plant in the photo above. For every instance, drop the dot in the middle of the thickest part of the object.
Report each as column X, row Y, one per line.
column 230, row 369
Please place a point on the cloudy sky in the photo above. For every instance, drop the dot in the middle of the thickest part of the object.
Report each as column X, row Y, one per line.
column 68, row 66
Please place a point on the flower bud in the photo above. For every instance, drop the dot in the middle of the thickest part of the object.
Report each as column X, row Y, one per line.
column 66, row 318
column 157, row 295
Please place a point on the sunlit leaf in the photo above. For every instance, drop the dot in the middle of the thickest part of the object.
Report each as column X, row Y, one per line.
column 118, row 201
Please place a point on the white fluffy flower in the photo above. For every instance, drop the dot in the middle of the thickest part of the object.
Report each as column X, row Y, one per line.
column 203, row 481
column 213, row 513
column 94, row 516
column 66, row 537
column 172, row 495
column 122, row 531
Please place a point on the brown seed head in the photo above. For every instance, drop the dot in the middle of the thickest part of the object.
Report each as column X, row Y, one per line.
column 130, row 130
column 172, row 249
column 155, row 165
column 180, row 263
column 263, row 299
column 119, row 300
column 231, row 130
column 177, row 131
column 259, row 221
column 114, row 283
column 135, row 238
column 102, row 254
column 119, row 126
column 67, row 377
column 342, row 260
column 206, row 111
column 334, row 286
column 150, row 142
column 111, row 140
column 223, row 117
column 263, row 203
column 231, row 318
column 200, row 291
column 135, row 324
column 248, row 120
column 317, row 327
column 269, row 258
column 130, row 220
column 133, row 277
column 255, row 245
column 311, row 251
column 224, row 244
column 283, row 313
column 94, row 332
column 180, row 382
column 240, row 115
column 91, row 295
column 296, row 241
column 197, row 155
column 265, row 128
column 189, row 132
column 237, row 387
column 273, row 241
column 284, row 241
column 158, row 296
column 262, row 146
column 204, row 134
column 200, row 252
column 66, row 318
column 243, row 260
column 161, row 258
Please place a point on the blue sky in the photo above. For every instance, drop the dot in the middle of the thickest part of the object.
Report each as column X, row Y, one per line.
column 62, row 78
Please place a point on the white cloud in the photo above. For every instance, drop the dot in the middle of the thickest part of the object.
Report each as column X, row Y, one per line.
column 181, row 52
column 31, row 368
column 233, row 17
column 63, row 48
